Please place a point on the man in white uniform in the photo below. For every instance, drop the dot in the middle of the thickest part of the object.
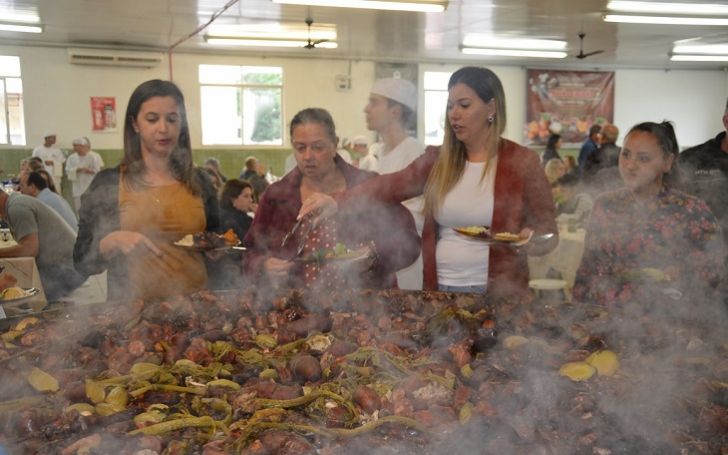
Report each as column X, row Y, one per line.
column 391, row 107
column 53, row 158
column 367, row 161
column 81, row 168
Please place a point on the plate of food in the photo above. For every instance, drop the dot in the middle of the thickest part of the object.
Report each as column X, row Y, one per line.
column 208, row 241
column 16, row 293
column 478, row 232
column 484, row 233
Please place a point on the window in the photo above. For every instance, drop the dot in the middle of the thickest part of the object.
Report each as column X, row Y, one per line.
column 435, row 84
column 241, row 105
column 12, row 124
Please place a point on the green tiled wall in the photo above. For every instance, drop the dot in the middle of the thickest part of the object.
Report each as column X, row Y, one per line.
column 231, row 161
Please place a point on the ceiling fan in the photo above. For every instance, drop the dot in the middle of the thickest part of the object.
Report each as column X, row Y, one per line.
column 312, row 44
column 581, row 54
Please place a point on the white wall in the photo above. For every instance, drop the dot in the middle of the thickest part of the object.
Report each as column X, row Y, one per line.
column 693, row 100
column 56, row 94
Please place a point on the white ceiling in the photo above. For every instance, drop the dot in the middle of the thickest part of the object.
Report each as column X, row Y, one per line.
column 365, row 34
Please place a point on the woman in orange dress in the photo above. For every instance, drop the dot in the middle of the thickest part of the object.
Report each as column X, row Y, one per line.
column 131, row 215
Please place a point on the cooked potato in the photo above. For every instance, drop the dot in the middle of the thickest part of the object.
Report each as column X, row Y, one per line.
column 605, row 362
column 577, row 371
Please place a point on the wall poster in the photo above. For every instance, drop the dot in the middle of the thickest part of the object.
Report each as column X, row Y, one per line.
column 566, row 103
column 103, row 114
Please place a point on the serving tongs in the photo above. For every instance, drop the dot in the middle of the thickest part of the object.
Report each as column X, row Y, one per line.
column 291, row 232
column 302, row 243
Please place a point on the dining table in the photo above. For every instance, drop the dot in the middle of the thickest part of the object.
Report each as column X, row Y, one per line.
column 563, row 261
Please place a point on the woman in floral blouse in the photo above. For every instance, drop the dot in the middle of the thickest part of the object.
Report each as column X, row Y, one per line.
column 649, row 225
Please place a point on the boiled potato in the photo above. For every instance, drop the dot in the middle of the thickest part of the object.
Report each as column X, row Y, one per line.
column 605, row 362
column 577, row 371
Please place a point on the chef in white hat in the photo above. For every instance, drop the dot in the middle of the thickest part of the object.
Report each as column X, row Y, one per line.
column 53, row 157
column 390, row 112
column 81, row 168
column 367, row 161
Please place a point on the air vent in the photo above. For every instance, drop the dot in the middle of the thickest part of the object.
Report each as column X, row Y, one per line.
column 114, row 58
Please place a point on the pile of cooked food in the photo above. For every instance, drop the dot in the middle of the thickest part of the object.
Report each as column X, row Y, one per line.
column 209, row 240
column 362, row 372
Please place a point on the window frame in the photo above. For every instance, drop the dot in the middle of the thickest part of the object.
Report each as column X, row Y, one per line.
column 13, row 73
column 241, row 87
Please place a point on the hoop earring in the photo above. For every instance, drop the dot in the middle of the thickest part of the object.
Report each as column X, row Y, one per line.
column 491, row 119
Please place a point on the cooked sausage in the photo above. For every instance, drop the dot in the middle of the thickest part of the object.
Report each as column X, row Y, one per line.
column 306, row 367
column 303, row 326
column 368, row 399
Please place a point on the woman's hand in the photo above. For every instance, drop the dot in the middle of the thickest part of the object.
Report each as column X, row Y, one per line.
column 277, row 270
column 325, row 204
column 128, row 243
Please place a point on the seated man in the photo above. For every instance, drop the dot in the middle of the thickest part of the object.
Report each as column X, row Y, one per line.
column 33, row 184
column 42, row 233
column 572, row 204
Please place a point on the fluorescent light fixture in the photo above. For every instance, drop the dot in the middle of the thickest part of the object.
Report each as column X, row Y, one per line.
column 423, row 6
column 477, row 44
column 691, row 9
column 709, row 49
column 274, row 30
column 477, row 40
column 698, row 58
column 699, row 53
column 511, row 52
column 252, row 42
column 665, row 20
column 17, row 27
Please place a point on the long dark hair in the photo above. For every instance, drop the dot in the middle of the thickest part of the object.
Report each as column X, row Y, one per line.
column 231, row 190
column 667, row 142
column 553, row 140
column 181, row 163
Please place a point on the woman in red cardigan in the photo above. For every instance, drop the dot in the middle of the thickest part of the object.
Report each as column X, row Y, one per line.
column 387, row 235
column 477, row 178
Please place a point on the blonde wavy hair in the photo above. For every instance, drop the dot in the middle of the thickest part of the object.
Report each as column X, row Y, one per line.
column 450, row 165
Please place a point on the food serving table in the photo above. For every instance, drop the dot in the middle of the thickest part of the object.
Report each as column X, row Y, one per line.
column 565, row 258
column 361, row 372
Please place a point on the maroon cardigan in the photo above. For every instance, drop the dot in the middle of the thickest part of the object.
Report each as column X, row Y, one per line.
column 522, row 199
column 392, row 229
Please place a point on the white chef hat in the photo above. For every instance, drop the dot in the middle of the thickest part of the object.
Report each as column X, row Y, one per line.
column 360, row 140
column 48, row 133
column 399, row 90
column 80, row 141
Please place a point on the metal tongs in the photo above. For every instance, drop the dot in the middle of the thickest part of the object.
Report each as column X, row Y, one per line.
column 303, row 237
column 291, row 232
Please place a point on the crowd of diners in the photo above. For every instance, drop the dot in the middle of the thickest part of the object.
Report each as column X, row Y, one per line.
column 131, row 214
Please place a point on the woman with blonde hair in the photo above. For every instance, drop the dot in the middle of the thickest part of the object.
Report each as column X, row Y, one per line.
column 477, row 178
column 554, row 169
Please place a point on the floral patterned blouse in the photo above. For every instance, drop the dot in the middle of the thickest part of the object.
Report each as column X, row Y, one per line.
column 674, row 232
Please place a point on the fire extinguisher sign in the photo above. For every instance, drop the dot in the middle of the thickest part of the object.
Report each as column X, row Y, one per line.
column 103, row 114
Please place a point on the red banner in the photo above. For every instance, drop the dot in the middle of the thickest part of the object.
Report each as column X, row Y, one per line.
column 566, row 103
